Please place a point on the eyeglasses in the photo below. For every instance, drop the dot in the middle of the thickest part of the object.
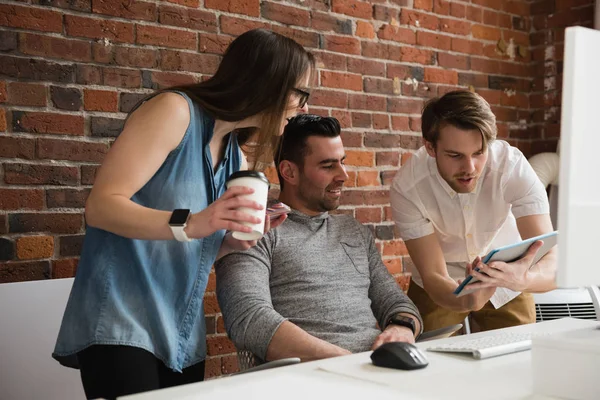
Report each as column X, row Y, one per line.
column 304, row 95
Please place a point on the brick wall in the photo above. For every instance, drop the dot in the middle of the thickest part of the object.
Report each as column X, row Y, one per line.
column 71, row 70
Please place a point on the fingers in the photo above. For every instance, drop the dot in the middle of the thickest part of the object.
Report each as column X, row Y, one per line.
column 275, row 222
column 532, row 251
column 378, row 342
column 236, row 191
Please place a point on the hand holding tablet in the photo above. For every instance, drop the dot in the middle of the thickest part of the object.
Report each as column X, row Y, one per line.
column 510, row 254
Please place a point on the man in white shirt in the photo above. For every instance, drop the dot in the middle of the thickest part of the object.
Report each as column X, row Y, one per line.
column 458, row 196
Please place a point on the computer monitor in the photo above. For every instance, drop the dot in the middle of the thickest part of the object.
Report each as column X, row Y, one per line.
column 579, row 179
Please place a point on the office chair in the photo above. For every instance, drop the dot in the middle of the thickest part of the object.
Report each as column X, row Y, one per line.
column 248, row 362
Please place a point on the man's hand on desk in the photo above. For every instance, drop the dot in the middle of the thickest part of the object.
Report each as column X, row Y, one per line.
column 512, row 275
column 394, row 333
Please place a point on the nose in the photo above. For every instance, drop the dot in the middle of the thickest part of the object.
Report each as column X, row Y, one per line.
column 304, row 109
column 469, row 165
column 343, row 176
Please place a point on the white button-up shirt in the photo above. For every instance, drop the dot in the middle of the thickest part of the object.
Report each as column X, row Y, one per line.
column 466, row 224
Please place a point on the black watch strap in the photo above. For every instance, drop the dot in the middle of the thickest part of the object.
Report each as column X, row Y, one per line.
column 403, row 321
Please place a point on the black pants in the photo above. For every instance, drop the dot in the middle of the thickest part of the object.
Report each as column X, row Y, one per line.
column 112, row 371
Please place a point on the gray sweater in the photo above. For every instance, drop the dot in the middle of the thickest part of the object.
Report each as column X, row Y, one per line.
column 322, row 273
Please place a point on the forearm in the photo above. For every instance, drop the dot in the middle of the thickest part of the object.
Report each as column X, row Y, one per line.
column 441, row 290
column 291, row 341
column 121, row 216
column 541, row 277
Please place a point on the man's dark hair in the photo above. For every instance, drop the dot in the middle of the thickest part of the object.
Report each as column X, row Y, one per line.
column 292, row 145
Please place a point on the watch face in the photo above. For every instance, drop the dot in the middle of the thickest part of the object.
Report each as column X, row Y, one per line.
column 179, row 217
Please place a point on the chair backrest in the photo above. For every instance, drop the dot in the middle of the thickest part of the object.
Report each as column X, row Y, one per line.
column 30, row 316
column 582, row 303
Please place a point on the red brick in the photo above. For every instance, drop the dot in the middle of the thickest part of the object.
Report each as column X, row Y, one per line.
column 213, row 43
column 66, row 198
column 229, row 364
column 399, row 123
column 519, row 7
column 64, row 268
column 24, row 271
column 88, row 74
column 3, row 94
column 368, row 215
column 360, row 158
column 437, row 75
column 395, row 248
column 237, row 26
column 441, row 7
column 212, row 368
column 466, row 46
column 475, row 14
column 485, row 65
column 45, row 222
column 27, row 94
column 366, row 67
column 340, row 80
column 365, row 197
column 489, row 3
column 393, row 265
column 54, row 149
column 435, row 40
column 415, row 124
column 41, row 122
column 12, row 147
column 88, row 174
column 285, row 14
column 3, row 224
column 383, row 13
column 128, row 9
column 187, row 3
column 453, row 61
column 103, row 53
column 403, row 280
column 96, row 28
column 329, row 98
column 54, row 47
column 368, row 178
column 458, row 10
column 419, row 19
column 414, row 55
column 211, row 305
column 304, row 38
column 352, row 139
column 219, row 345
column 17, row 199
column 455, row 26
column 345, row 118
column 3, row 126
column 159, row 36
column 354, row 8
column 401, row 35
column 486, row 32
column 351, row 181
column 405, row 106
column 168, row 79
column 398, row 71
column 426, row 5
column 246, row 7
column 121, row 77
column 192, row 62
column 490, row 17
column 374, row 50
column 187, row 18
column 387, row 158
column 422, row 89
column 100, row 100
column 361, row 120
column 35, row 247
column 136, row 57
column 325, row 22
column 381, row 121
column 26, row 17
column 366, row 102
column 342, row 44
column 365, row 30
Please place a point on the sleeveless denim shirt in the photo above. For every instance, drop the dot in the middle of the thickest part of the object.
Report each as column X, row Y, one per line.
column 149, row 293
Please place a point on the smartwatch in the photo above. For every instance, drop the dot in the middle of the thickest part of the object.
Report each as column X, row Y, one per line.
column 178, row 222
column 403, row 321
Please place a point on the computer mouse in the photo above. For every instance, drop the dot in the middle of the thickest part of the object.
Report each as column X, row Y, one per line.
column 399, row 355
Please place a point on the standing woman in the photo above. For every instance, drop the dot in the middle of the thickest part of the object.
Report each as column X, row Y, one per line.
column 135, row 321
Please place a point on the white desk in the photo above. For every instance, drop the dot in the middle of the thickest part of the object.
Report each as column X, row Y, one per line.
column 448, row 376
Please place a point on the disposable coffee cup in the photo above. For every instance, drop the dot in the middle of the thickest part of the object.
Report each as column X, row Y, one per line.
column 259, row 182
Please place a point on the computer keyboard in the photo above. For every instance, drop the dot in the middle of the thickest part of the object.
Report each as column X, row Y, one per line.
column 490, row 346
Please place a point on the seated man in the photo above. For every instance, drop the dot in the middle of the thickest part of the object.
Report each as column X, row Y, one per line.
column 316, row 286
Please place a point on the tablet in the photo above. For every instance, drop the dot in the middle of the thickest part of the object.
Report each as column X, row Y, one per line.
column 512, row 253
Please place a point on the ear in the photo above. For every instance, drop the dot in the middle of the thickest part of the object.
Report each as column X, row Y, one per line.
column 289, row 172
column 430, row 147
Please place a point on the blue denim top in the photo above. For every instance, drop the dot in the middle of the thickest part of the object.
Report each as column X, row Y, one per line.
column 149, row 293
